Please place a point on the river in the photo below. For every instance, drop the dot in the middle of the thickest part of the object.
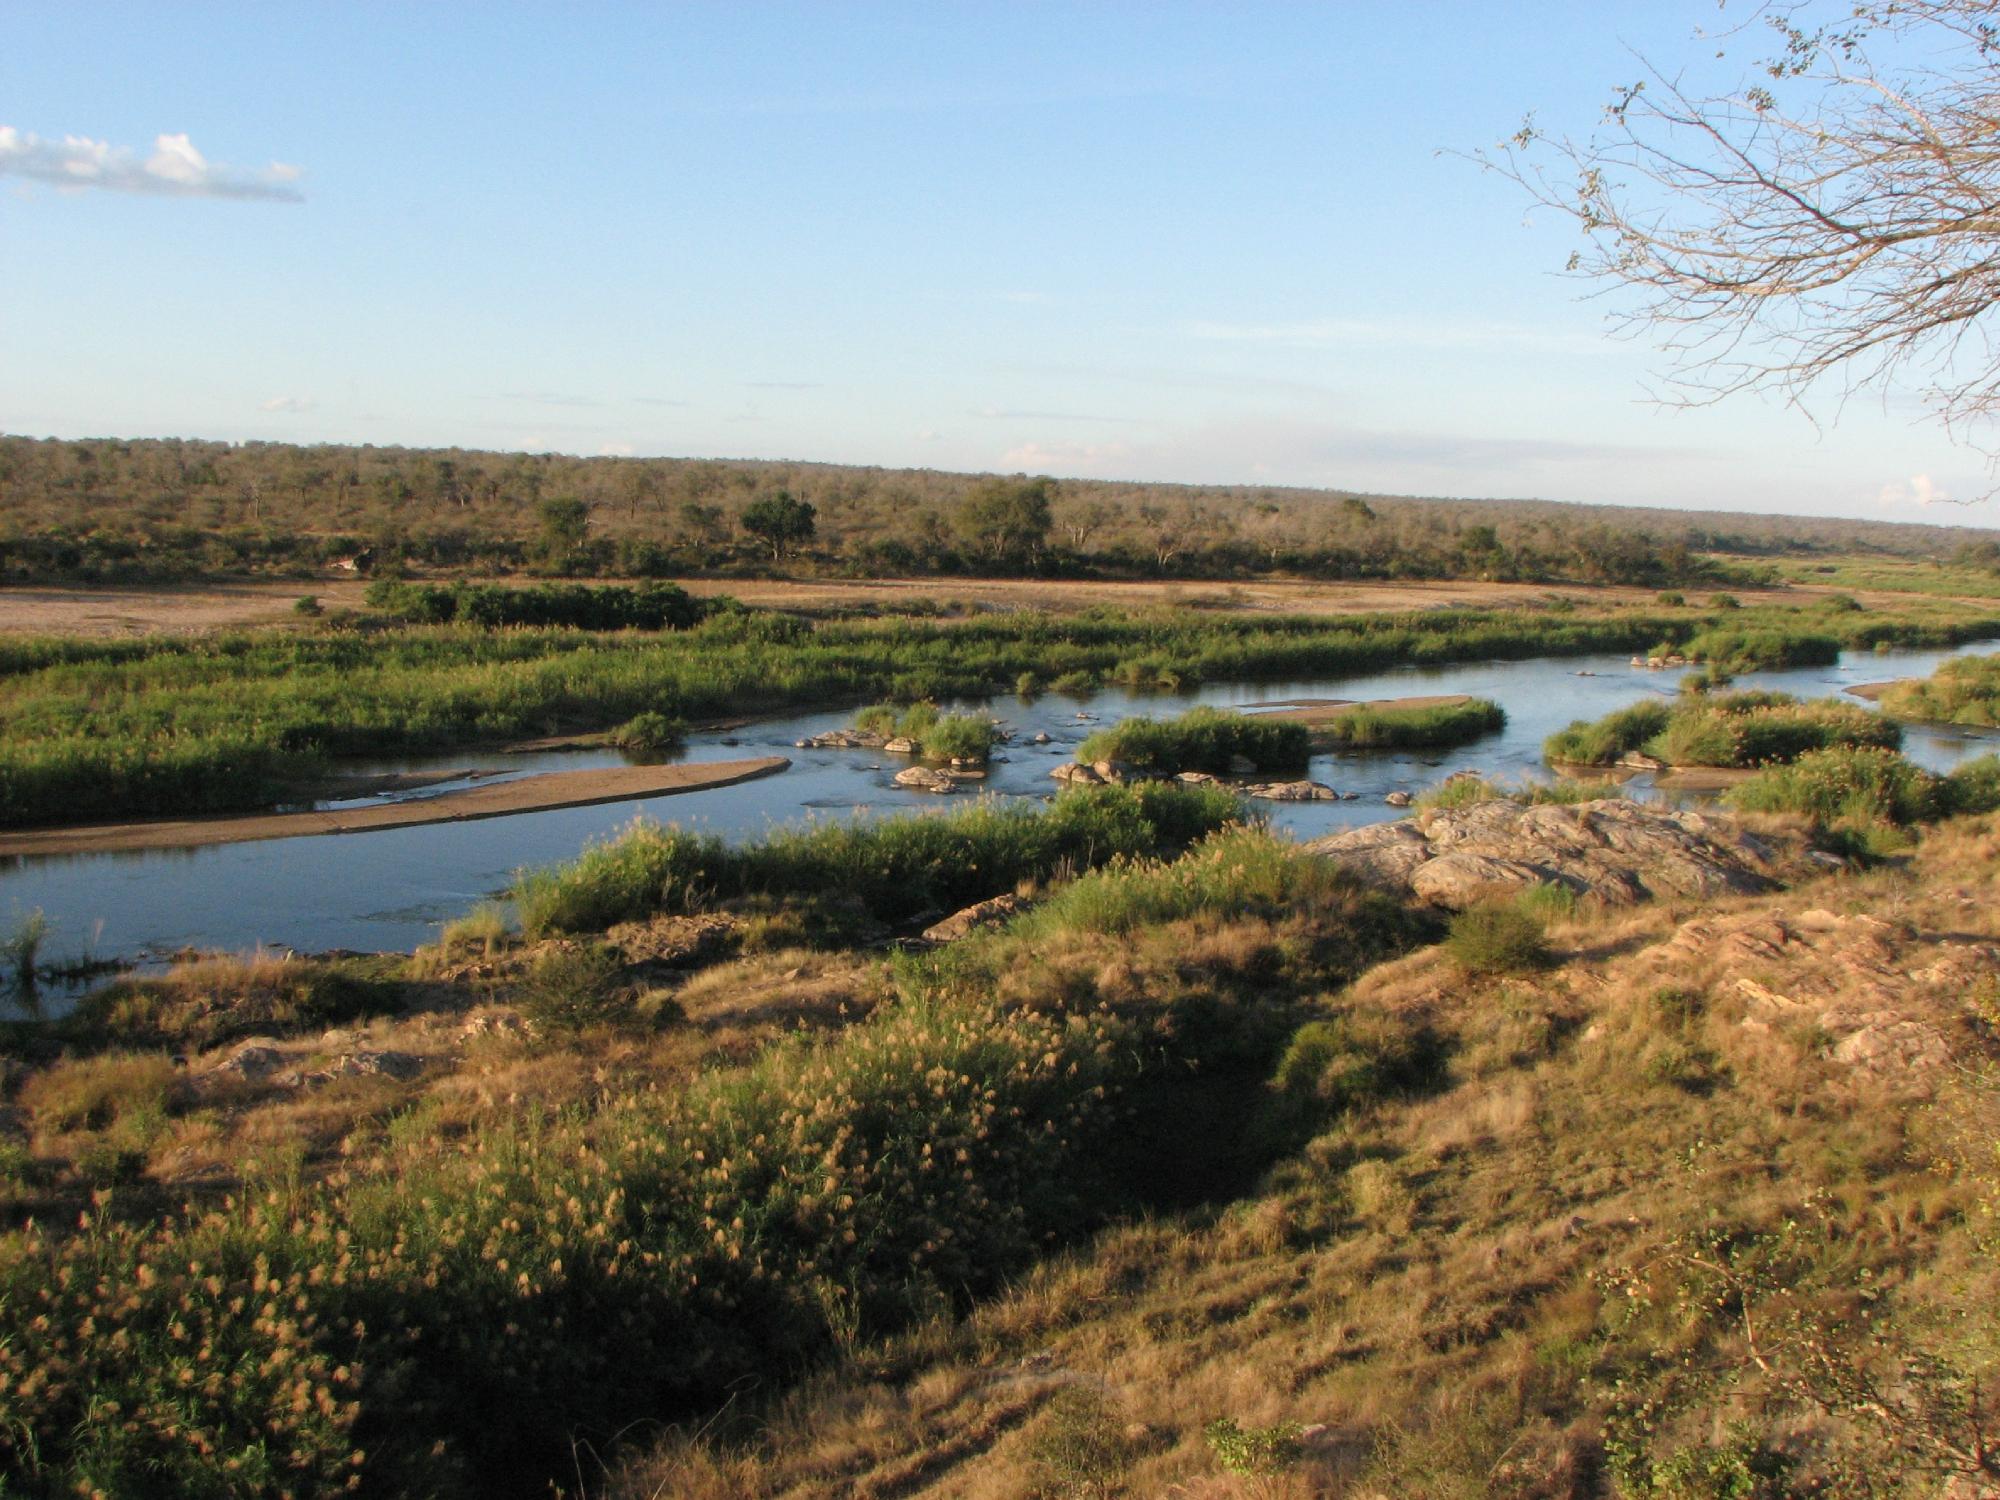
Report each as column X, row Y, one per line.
column 391, row 890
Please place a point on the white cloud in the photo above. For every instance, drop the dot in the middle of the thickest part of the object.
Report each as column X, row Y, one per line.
column 1070, row 458
column 1918, row 489
column 615, row 450
column 287, row 404
column 175, row 168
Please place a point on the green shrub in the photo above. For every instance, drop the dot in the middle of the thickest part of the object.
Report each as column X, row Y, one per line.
column 651, row 733
column 1850, row 786
column 1497, row 938
column 1601, row 743
column 574, row 989
column 960, row 737
column 1078, row 1446
column 1254, row 1450
column 307, row 605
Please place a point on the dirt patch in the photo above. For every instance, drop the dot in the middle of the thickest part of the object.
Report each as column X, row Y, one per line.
column 494, row 800
column 80, row 610
column 1874, row 691
column 165, row 610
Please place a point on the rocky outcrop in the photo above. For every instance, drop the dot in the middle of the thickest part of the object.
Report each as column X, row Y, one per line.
column 924, row 779
column 1878, row 997
column 981, row 914
column 1617, row 851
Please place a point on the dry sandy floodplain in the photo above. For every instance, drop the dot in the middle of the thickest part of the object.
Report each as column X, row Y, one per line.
column 496, row 799
column 191, row 609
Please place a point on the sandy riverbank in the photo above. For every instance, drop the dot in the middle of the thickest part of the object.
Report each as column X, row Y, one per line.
column 499, row 799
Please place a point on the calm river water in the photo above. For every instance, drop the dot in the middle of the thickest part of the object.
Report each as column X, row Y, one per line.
column 392, row 889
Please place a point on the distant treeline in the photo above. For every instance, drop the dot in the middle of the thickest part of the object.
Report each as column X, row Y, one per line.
column 161, row 509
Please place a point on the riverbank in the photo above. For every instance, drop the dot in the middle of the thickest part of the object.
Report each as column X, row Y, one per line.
column 552, row 789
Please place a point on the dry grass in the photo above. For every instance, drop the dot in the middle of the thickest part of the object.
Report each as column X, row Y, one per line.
column 1424, row 1286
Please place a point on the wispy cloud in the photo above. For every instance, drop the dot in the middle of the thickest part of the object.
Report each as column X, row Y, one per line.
column 1010, row 414
column 1404, row 333
column 782, row 385
column 657, row 401
column 292, row 404
column 550, row 398
column 174, row 168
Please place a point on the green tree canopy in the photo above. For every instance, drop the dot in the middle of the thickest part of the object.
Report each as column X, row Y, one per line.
column 780, row 521
column 1007, row 519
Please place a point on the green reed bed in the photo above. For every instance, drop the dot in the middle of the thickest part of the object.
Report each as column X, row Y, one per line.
column 110, row 729
column 1861, row 786
column 468, row 1322
column 894, row 869
column 1964, row 690
column 1431, row 727
column 1738, row 730
column 1202, row 739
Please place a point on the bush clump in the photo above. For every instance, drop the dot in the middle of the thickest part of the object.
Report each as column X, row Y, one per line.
column 936, row 736
column 575, row 989
column 651, row 733
column 1498, row 938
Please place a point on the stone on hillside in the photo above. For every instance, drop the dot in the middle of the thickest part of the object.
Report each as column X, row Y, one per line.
column 981, row 914
column 1617, row 851
column 253, row 1062
column 399, row 1065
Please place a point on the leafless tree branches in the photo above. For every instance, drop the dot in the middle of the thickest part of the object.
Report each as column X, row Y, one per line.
column 1835, row 223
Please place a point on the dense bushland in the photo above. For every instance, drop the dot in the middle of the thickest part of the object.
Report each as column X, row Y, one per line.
column 155, row 509
column 891, row 869
column 460, row 1325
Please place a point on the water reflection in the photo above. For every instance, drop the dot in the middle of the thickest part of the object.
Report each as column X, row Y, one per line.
column 391, row 889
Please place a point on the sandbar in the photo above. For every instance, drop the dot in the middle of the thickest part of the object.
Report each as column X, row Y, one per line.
column 498, row 799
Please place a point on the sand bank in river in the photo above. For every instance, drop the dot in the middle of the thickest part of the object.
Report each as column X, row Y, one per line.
column 497, row 799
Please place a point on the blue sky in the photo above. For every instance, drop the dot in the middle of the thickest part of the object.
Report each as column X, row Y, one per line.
column 1195, row 243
